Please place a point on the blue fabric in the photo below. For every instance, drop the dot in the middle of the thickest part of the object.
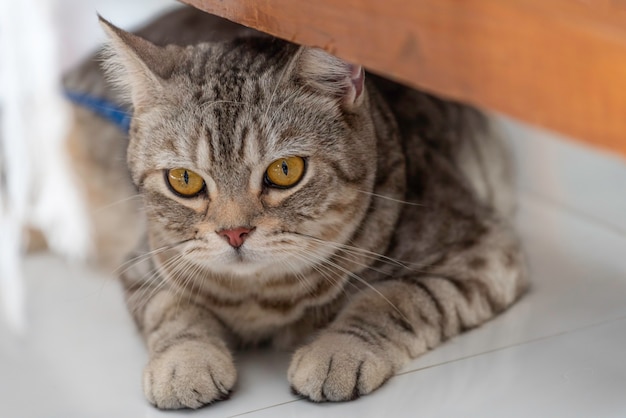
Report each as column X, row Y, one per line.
column 102, row 107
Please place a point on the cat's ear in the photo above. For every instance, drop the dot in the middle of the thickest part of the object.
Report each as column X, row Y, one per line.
column 332, row 75
column 136, row 65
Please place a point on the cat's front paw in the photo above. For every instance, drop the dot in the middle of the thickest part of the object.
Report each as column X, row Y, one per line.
column 189, row 374
column 338, row 367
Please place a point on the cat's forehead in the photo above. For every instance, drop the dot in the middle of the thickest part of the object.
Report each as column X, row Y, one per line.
column 240, row 110
column 225, row 66
column 236, row 106
column 231, row 137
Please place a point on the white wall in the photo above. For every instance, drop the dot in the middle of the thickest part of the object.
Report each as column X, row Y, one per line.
column 585, row 180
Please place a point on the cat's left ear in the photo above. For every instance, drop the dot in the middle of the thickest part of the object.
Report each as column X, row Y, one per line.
column 333, row 76
column 136, row 65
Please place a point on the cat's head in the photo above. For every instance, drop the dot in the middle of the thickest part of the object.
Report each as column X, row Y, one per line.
column 255, row 156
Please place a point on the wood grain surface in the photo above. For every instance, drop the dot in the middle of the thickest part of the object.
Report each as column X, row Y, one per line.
column 560, row 64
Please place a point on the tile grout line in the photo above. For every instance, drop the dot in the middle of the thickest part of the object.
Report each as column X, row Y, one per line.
column 520, row 344
column 266, row 407
column 506, row 347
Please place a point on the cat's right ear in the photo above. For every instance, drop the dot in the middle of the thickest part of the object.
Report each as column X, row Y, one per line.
column 137, row 66
column 333, row 76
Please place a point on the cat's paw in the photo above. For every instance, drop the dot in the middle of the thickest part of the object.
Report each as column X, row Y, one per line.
column 189, row 374
column 338, row 367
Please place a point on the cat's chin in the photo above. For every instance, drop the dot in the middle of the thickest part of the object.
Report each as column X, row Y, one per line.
column 248, row 270
column 249, row 267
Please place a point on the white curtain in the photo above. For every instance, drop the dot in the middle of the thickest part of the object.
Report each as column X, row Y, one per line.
column 39, row 39
column 36, row 188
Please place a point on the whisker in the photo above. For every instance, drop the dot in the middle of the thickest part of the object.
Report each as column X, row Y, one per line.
column 285, row 102
column 298, row 274
column 142, row 257
column 195, row 282
column 130, row 263
column 181, row 278
column 188, row 274
column 110, row 205
column 288, row 67
column 350, row 248
column 136, row 300
column 358, row 252
column 348, row 259
column 319, row 264
column 368, row 285
column 146, row 291
column 393, row 199
column 324, row 271
column 358, row 263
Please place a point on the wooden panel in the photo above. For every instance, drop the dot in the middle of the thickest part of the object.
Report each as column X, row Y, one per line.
column 560, row 64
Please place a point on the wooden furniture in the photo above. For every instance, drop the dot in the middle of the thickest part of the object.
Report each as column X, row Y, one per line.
column 560, row 64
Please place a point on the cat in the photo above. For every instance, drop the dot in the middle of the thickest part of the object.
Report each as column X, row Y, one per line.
column 274, row 193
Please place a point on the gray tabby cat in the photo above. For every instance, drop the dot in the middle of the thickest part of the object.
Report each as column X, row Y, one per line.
column 289, row 198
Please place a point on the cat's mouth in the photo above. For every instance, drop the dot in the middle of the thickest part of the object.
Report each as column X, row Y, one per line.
column 259, row 266
column 246, row 262
column 236, row 261
column 239, row 256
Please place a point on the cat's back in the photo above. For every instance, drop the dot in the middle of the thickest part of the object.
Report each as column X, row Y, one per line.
column 446, row 142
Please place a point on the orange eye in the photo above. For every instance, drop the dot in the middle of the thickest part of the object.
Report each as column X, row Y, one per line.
column 185, row 182
column 285, row 172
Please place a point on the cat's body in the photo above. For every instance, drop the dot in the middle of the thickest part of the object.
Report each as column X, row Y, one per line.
column 395, row 237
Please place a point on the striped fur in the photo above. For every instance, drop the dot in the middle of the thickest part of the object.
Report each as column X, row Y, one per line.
column 397, row 238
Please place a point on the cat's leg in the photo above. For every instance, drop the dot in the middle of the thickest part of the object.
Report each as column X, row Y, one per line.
column 403, row 316
column 189, row 363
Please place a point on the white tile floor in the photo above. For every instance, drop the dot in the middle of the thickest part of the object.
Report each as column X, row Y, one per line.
column 560, row 352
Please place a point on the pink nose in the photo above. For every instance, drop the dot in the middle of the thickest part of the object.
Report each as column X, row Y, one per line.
column 236, row 236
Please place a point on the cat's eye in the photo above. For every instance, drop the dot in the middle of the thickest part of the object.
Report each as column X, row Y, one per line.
column 184, row 182
column 285, row 172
